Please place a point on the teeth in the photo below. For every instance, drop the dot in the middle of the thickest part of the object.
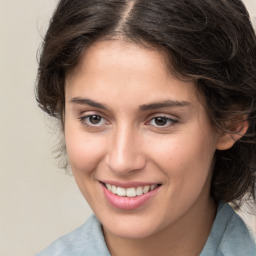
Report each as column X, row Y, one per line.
column 120, row 191
column 130, row 192
column 108, row 186
column 146, row 189
column 113, row 189
column 153, row 187
column 139, row 191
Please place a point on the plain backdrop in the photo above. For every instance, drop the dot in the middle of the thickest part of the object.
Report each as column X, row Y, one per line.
column 38, row 201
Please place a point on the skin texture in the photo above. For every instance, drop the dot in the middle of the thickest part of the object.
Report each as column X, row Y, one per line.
column 127, row 144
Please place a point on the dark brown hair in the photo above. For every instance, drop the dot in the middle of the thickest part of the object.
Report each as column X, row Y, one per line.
column 209, row 41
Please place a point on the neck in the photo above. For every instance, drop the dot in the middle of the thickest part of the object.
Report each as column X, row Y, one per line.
column 186, row 237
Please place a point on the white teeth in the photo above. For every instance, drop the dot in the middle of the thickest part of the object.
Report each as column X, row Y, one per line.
column 130, row 192
column 113, row 189
column 153, row 187
column 108, row 186
column 120, row 191
column 139, row 191
column 146, row 189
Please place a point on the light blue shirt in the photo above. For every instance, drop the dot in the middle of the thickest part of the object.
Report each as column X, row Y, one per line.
column 229, row 237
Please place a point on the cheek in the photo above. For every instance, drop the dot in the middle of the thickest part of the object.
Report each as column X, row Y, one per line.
column 185, row 157
column 187, row 166
column 84, row 152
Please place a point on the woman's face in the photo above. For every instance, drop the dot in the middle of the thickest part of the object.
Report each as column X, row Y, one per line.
column 139, row 142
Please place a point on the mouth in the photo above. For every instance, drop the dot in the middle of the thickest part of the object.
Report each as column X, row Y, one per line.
column 131, row 191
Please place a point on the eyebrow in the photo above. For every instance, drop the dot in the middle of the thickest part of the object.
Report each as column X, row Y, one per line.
column 164, row 104
column 92, row 103
column 144, row 107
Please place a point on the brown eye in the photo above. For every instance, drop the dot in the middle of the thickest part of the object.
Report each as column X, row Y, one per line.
column 162, row 121
column 94, row 119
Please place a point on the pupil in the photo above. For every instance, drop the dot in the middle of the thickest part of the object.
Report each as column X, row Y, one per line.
column 160, row 121
column 95, row 119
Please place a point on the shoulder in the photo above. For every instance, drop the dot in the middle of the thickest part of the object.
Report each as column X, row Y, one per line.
column 229, row 235
column 86, row 240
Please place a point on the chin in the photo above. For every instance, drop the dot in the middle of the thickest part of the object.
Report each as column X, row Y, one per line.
column 131, row 227
column 131, row 233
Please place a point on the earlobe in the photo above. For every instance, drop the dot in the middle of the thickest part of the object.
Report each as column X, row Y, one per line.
column 226, row 140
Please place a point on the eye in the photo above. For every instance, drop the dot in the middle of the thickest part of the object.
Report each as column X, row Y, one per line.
column 162, row 121
column 92, row 120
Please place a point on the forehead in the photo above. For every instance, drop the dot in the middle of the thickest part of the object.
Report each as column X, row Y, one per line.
column 127, row 69
column 104, row 53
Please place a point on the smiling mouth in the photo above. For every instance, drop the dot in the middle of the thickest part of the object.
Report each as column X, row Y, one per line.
column 130, row 192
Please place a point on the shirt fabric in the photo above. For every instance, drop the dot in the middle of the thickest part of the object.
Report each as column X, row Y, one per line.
column 229, row 236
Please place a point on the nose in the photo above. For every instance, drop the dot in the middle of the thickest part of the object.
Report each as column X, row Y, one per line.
column 125, row 153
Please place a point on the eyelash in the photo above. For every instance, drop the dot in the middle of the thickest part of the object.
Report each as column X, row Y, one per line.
column 168, row 120
column 86, row 119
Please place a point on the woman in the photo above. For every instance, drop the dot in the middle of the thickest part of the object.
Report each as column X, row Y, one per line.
column 157, row 105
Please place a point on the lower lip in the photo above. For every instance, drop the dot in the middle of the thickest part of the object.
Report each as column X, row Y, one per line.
column 128, row 203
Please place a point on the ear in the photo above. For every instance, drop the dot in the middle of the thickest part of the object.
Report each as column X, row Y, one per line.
column 226, row 140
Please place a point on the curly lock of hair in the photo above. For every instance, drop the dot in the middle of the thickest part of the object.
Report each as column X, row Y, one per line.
column 209, row 41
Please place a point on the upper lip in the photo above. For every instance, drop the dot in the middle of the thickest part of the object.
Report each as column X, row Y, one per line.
column 129, row 184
